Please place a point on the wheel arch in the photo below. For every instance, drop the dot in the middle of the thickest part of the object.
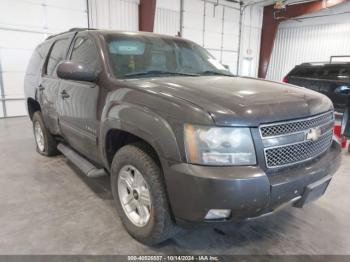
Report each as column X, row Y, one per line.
column 32, row 107
column 128, row 123
column 117, row 138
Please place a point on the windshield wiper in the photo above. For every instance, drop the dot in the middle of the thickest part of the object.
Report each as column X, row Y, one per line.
column 158, row 72
column 209, row 72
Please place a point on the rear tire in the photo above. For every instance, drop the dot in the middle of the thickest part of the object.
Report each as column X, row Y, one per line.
column 158, row 225
column 45, row 143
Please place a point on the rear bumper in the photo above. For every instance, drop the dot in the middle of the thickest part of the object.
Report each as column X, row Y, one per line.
column 248, row 192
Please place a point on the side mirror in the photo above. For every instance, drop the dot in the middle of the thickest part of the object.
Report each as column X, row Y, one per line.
column 345, row 124
column 74, row 71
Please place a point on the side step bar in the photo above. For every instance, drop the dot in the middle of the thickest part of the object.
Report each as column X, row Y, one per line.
column 84, row 165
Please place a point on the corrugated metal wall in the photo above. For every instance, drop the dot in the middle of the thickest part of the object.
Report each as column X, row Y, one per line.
column 215, row 26
column 23, row 25
column 114, row 14
column 309, row 41
column 167, row 21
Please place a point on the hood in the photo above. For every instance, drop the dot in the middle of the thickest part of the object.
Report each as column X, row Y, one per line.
column 237, row 101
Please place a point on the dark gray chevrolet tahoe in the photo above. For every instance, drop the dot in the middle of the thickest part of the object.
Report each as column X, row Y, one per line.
column 183, row 140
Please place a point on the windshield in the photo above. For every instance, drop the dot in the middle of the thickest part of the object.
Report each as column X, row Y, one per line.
column 134, row 56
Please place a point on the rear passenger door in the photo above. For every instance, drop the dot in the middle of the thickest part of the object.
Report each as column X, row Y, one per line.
column 49, row 86
column 79, row 113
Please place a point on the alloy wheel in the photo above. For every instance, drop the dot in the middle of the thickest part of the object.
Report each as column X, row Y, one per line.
column 39, row 136
column 134, row 195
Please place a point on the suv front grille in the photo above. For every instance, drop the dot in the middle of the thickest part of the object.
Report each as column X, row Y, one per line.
column 296, row 126
column 289, row 143
column 297, row 153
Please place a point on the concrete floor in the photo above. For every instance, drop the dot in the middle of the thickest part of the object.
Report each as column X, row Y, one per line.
column 48, row 207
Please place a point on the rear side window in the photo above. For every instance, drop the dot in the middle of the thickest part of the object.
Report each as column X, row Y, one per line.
column 336, row 73
column 330, row 72
column 57, row 54
column 85, row 53
column 307, row 72
column 344, row 73
column 36, row 61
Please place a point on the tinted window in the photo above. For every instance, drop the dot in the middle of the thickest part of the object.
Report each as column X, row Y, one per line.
column 344, row 73
column 330, row 72
column 35, row 63
column 58, row 53
column 307, row 72
column 33, row 73
column 84, row 52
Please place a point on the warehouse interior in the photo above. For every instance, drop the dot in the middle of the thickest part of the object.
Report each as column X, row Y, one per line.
column 48, row 206
column 214, row 25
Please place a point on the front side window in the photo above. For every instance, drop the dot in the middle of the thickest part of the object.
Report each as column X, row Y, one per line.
column 58, row 53
column 330, row 72
column 85, row 53
column 142, row 56
column 344, row 74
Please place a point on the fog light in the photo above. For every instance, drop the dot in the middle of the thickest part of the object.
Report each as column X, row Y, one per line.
column 218, row 213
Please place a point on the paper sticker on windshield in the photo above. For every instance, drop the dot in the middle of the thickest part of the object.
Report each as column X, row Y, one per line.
column 216, row 63
column 126, row 47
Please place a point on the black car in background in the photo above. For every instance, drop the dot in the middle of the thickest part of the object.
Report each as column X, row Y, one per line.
column 330, row 79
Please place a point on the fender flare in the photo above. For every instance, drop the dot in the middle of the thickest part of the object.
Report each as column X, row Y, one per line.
column 150, row 127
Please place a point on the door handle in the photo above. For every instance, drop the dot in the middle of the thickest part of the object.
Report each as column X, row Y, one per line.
column 41, row 88
column 64, row 94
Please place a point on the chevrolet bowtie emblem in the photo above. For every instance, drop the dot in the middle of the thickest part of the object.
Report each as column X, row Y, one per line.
column 313, row 134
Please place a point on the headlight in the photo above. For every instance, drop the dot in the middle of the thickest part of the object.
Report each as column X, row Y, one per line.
column 223, row 146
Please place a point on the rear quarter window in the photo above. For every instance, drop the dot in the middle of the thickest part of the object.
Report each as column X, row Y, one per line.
column 37, row 59
column 34, row 69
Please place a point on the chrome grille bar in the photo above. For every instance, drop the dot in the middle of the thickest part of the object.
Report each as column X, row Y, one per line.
column 294, row 126
column 287, row 143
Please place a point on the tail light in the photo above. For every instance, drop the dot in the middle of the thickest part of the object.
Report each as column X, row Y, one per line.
column 285, row 79
column 342, row 139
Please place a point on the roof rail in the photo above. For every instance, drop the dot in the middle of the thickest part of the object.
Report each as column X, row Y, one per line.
column 74, row 29
column 314, row 63
column 333, row 60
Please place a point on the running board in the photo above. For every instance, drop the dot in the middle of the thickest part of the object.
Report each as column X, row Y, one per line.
column 84, row 165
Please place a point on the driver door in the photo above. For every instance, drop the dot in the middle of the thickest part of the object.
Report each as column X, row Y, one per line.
column 79, row 114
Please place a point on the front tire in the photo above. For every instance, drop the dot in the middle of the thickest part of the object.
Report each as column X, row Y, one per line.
column 139, row 194
column 45, row 143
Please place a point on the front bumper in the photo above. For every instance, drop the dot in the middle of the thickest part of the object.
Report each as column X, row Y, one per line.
column 247, row 191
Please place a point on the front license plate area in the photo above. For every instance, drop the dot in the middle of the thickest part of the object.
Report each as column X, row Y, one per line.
column 314, row 191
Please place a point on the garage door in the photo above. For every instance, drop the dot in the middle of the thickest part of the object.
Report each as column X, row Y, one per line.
column 23, row 25
column 215, row 27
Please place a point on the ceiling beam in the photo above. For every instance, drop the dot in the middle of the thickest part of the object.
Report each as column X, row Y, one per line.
column 147, row 12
